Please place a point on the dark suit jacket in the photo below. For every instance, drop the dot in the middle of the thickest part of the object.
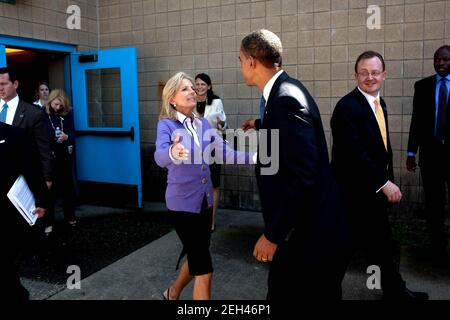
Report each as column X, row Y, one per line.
column 33, row 121
column 303, row 194
column 14, row 161
column 361, row 163
column 421, row 131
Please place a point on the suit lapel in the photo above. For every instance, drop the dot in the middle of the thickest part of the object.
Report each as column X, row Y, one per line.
column 431, row 93
column 370, row 115
column 20, row 115
column 283, row 77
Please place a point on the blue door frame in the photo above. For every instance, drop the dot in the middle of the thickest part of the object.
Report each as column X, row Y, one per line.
column 9, row 41
column 105, row 155
column 110, row 155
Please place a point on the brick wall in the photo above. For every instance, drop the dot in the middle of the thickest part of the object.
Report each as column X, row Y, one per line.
column 321, row 39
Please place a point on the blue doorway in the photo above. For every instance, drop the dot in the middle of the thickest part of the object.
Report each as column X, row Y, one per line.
column 103, row 89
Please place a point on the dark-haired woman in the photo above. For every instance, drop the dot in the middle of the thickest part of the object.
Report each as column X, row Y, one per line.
column 210, row 107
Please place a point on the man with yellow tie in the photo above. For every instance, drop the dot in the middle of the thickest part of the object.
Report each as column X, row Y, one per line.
column 362, row 163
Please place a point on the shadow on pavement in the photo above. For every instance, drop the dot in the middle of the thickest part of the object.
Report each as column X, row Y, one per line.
column 95, row 243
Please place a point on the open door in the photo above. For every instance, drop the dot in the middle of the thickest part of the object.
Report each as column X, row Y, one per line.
column 2, row 56
column 106, row 115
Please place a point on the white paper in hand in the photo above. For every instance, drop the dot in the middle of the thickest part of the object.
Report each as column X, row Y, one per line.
column 22, row 198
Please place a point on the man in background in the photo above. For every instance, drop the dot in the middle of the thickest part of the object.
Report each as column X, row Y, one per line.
column 16, row 112
column 15, row 161
column 362, row 163
column 430, row 134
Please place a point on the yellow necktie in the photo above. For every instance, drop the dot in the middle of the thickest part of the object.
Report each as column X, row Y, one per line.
column 381, row 122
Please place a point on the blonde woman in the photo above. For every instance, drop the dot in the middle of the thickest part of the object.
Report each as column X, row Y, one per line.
column 60, row 122
column 182, row 140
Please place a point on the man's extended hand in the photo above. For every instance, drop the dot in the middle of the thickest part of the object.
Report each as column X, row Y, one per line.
column 179, row 152
column 248, row 124
column 392, row 192
column 264, row 249
column 411, row 164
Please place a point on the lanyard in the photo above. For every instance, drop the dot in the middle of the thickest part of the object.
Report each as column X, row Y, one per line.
column 60, row 121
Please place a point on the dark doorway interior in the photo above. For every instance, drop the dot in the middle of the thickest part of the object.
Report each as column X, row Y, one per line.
column 33, row 66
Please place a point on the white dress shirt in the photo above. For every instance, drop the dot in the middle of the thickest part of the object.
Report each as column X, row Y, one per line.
column 12, row 107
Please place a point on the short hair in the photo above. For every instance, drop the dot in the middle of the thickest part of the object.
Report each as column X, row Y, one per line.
column 61, row 96
column 12, row 74
column 210, row 95
column 265, row 46
column 170, row 89
column 369, row 55
column 444, row 47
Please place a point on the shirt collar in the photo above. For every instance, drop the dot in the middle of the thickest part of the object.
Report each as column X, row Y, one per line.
column 12, row 104
column 438, row 77
column 269, row 85
column 370, row 98
column 181, row 117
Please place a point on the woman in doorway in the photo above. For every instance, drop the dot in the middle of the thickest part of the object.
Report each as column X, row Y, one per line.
column 210, row 107
column 42, row 94
column 62, row 135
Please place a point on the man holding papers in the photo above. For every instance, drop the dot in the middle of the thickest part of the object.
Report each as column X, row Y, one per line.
column 14, row 162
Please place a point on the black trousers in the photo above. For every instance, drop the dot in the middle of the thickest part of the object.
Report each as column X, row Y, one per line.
column 435, row 180
column 373, row 238
column 63, row 187
column 15, row 234
column 294, row 275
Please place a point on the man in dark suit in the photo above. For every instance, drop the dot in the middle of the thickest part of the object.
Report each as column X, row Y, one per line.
column 23, row 115
column 14, row 161
column 362, row 162
column 430, row 132
column 305, row 222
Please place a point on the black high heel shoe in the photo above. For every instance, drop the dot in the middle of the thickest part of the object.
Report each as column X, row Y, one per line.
column 213, row 228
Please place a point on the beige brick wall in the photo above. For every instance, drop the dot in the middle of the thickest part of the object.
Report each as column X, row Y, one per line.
column 321, row 39
column 46, row 20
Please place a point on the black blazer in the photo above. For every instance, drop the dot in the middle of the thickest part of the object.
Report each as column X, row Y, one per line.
column 66, row 123
column 14, row 161
column 421, row 131
column 359, row 158
column 302, row 195
column 32, row 119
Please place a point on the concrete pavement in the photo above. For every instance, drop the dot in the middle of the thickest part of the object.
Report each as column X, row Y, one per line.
column 145, row 273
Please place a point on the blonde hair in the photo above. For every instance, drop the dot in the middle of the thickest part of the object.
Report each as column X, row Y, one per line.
column 170, row 89
column 62, row 97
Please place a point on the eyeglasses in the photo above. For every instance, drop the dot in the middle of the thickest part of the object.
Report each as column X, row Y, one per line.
column 374, row 74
